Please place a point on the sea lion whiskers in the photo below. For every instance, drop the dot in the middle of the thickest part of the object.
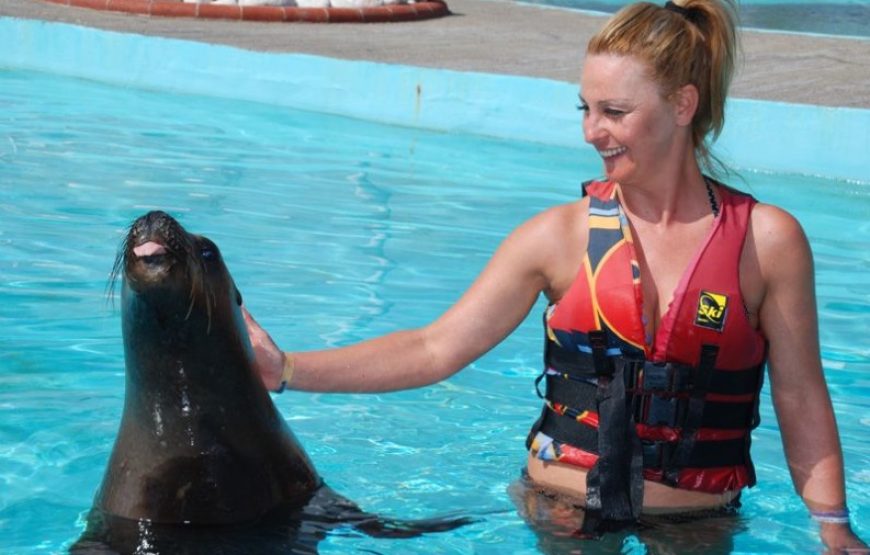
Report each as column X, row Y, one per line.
column 199, row 286
column 117, row 267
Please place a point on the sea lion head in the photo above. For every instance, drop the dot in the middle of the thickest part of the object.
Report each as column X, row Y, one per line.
column 159, row 258
column 181, row 310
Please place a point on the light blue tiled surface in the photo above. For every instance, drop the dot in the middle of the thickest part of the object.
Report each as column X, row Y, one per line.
column 759, row 135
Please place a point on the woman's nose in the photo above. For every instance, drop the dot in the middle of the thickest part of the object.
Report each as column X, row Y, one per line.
column 592, row 130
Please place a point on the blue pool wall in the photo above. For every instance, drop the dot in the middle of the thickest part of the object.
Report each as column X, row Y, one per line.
column 759, row 135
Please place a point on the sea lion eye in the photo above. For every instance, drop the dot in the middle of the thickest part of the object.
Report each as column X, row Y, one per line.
column 207, row 253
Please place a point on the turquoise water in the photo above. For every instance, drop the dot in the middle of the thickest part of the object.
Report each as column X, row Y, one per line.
column 826, row 17
column 335, row 230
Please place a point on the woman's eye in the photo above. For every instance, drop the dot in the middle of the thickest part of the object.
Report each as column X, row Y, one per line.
column 583, row 107
column 613, row 112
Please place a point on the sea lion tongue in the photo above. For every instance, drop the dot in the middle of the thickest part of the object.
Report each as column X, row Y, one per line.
column 149, row 248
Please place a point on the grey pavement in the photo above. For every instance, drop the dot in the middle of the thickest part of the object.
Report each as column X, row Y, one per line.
column 499, row 36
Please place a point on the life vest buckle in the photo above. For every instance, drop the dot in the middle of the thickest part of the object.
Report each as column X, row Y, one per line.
column 657, row 454
column 657, row 377
column 663, row 411
column 603, row 364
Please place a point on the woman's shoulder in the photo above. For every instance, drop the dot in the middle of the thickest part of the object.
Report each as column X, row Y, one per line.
column 560, row 220
column 552, row 242
column 768, row 223
column 774, row 226
column 778, row 239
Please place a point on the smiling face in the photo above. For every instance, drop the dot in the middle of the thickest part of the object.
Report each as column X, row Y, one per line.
column 630, row 123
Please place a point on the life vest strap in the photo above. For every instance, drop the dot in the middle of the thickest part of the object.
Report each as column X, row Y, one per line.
column 663, row 377
column 700, row 383
column 660, row 455
column 614, row 485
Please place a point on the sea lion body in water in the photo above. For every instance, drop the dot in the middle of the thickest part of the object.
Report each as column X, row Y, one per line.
column 203, row 462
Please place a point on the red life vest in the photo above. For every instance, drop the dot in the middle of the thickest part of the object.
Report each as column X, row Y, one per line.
column 689, row 395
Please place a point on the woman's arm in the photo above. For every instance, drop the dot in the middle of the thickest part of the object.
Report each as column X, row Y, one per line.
column 494, row 305
column 800, row 395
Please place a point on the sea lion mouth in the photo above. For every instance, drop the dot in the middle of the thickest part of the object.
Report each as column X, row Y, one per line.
column 151, row 253
column 149, row 249
column 156, row 234
column 153, row 246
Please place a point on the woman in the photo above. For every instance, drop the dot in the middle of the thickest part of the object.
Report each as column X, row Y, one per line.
column 669, row 292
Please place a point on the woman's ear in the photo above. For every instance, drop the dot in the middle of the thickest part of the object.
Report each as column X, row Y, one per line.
column 685, row 104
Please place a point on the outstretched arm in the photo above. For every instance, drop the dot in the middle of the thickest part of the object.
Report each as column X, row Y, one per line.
column 494, row 305
column 800, row 394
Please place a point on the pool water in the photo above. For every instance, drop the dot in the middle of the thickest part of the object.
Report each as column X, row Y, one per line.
column 826, row 17
column 335, row 230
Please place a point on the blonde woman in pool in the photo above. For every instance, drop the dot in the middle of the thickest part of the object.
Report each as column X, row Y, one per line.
column 669, row 294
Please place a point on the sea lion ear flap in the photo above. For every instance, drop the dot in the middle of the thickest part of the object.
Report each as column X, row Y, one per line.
column 238, row 296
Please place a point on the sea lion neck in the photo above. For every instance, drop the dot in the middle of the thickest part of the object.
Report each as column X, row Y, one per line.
column 170, row 346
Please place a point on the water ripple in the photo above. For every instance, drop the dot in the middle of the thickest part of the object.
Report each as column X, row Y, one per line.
column 335, row 231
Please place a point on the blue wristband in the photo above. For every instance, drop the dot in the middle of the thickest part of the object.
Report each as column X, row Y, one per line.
column 839, row 516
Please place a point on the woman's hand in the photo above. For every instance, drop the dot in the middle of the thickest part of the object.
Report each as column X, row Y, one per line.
column 268, row 358
column 839, row 539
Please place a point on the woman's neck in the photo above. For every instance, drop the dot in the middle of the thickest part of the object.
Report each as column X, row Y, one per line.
column 677, row 196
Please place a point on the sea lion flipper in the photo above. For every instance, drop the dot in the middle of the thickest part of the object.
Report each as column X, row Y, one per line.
column 380, row 527
column 330, row 506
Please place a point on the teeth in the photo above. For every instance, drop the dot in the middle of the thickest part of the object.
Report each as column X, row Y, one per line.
column 607, row 153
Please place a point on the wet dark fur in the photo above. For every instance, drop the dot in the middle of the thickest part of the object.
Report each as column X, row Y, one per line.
column 203, row 463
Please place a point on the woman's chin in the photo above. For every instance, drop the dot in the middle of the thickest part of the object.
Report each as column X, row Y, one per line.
column 612, row 174
column 611, row 168
column 616, row 170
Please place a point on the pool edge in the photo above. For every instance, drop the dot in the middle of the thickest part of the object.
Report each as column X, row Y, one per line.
column 759, row 135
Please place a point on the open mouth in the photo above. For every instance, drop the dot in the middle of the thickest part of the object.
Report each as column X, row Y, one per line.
column 612, row 152
column 150, row 252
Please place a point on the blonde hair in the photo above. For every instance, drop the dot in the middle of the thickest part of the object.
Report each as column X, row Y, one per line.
column 692, row 42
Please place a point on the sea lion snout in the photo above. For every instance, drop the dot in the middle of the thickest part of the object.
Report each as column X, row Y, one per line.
column 154, row 245
column 159, row 228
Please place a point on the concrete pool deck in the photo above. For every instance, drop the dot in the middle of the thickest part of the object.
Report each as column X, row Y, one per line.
column 502, row 37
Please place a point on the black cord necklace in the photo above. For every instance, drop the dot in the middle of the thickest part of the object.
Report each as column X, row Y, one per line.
column 714, row 206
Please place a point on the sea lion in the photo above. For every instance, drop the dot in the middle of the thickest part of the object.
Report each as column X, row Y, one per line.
column 203, row 462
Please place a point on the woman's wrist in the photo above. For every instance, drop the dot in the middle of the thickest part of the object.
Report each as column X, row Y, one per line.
column 840, row 538
column 835, row 516
column 287, row 371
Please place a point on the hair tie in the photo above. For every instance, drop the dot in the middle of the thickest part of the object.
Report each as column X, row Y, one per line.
column 677, row 9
